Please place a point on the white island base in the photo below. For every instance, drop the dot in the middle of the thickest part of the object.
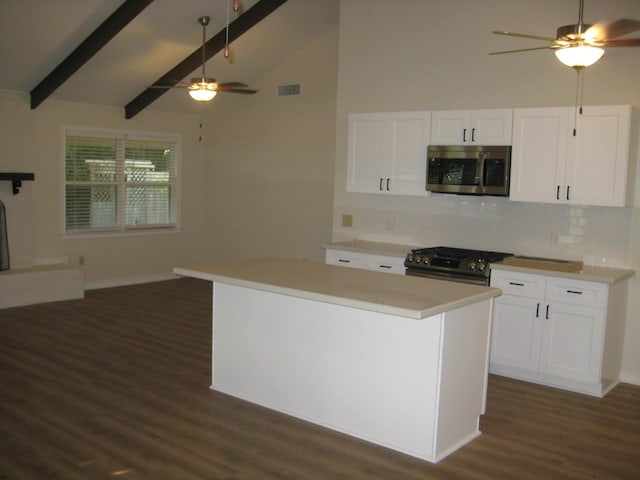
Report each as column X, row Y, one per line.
column 417, row 386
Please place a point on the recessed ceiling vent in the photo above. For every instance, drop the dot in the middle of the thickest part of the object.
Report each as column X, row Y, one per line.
column 290, row 90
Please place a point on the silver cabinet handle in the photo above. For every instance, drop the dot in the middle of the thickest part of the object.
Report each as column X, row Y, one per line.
column 577, row 292
column 381, row 184
column 343, row 260
column 546, row 314
column 516, row 284
column 537, row 310
column 388, row 180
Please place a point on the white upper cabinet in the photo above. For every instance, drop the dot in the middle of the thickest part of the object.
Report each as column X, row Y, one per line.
column 552, row 165
column 471, row 127
column 598, row 157
column 539, row 153
column 387, row 152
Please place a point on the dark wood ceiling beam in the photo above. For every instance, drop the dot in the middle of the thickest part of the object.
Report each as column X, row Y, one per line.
column 87, row 49
column 214, row 45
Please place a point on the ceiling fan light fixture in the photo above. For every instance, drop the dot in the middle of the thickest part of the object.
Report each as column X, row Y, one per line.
column 201, row 94
column 579, row 56
column 203, row 89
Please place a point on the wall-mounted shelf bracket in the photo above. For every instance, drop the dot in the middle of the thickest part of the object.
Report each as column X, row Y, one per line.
column 16, row 179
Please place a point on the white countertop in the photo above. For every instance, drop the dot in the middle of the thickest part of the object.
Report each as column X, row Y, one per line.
column 589, row 273
column 375, row 248
column 406, row 296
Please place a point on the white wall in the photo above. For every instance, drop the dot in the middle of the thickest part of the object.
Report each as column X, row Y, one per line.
column 429, row 55
column 259, row 183
column 31, row 141
column 270, row 162
column 16, row 155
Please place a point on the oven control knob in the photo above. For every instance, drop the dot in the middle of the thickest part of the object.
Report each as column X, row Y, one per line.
column 418, row 259
column 482, row 265
column 472, row 265
column 426, row 260
column 410, row 257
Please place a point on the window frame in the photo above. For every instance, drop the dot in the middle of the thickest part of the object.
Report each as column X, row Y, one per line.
column 121, row 228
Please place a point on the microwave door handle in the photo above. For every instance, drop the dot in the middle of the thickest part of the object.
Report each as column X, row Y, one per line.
column 483, row 157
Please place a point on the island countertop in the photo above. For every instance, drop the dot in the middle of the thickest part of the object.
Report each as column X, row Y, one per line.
column 406, row 296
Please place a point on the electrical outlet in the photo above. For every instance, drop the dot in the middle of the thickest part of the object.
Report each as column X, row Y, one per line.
column 347, row 220
column 390, row 224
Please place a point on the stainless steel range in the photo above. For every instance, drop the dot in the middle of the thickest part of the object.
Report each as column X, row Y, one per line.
column 455, row 264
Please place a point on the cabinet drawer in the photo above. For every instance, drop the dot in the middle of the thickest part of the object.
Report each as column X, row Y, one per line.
column 383, row 263
column 517, row 283
column 576, row 292
column 345, row 259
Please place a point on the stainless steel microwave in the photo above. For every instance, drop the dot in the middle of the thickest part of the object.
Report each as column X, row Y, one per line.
column 469, row 170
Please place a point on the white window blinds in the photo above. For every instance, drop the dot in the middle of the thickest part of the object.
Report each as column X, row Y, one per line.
column 117, row 182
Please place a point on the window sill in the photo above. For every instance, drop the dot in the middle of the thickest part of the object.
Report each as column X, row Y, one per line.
column 125, row 233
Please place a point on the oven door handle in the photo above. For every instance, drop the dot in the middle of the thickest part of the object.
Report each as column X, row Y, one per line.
column 483, row 157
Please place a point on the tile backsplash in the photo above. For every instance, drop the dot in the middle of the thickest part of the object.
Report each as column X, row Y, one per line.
column 595, row 235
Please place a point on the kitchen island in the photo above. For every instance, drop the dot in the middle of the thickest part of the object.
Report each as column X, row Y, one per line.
column 395, row 360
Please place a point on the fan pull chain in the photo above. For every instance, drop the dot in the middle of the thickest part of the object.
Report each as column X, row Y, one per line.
column 227, row 52
column 579, row 97
column 204, row 21
column 227, row 49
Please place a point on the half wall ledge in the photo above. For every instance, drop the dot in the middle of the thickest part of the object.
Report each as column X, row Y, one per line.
column 16, row 179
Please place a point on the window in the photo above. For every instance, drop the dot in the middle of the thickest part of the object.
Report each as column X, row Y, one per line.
column 120, row 181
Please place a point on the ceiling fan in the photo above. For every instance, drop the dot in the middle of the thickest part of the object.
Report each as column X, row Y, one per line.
column 203, row 88
column 581, row 44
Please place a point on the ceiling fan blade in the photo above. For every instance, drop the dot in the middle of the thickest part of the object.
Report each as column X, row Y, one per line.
column 623, row 42
column 237, row 90
column 605, row 32
column 233, row 84
column 524, row 35
column 166, row 87
column 522, row 50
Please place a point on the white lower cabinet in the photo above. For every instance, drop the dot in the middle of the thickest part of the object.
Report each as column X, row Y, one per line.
column 551, row 330
column 571, row 344
column 345, row 258
column 382, row 263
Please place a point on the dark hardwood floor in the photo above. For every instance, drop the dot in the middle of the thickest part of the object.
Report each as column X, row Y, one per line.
column 116, row 386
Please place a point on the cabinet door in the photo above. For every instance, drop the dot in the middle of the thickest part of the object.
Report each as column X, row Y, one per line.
column 572, row 342
column 410, row 136
column 469, row 127
column 450, row 127
column 518, row 283
column 538, row 156
column 516, row 334
column 383, row 263
column 596, row 172
column 388, row 152
column 491, row 127
column 345, row 259
column 576, row 292
column 369, row 149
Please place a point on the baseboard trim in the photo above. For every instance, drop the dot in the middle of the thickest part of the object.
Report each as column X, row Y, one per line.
column 124, row 281
column 630, row 378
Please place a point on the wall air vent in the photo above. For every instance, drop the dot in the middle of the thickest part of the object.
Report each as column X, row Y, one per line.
column 290, row 90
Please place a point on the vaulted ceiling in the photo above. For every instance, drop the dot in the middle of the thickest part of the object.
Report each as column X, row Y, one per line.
column 36, row 36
